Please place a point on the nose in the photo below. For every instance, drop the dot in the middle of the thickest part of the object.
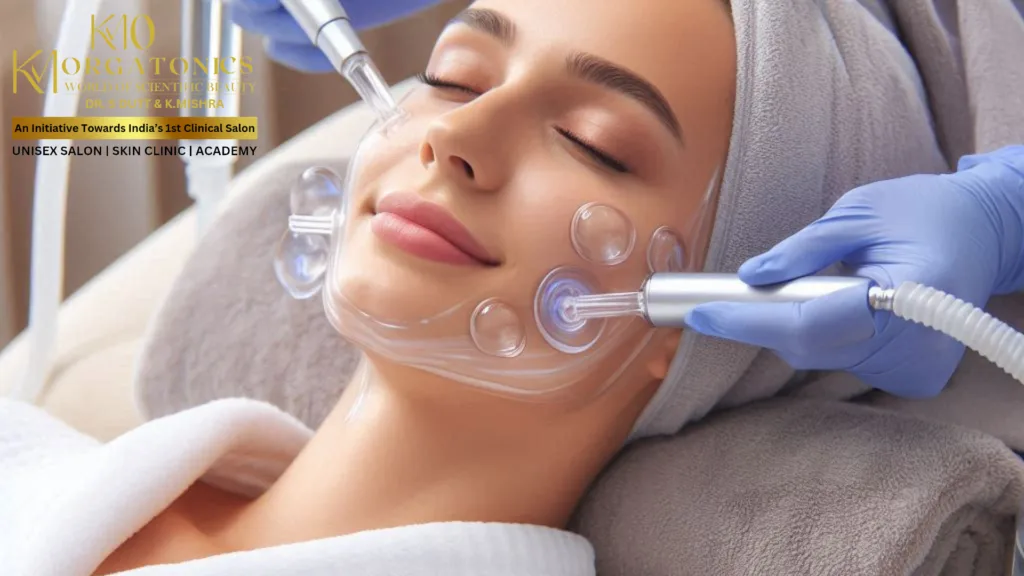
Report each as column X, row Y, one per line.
column 464, row 147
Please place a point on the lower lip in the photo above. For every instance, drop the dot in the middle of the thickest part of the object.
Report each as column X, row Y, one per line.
column 418, row 241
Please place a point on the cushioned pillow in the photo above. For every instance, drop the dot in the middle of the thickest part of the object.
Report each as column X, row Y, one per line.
column 793, row 486
column 229, row 329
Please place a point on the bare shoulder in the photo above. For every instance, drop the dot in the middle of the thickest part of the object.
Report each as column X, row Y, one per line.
column 168, row 539
column 189, row 529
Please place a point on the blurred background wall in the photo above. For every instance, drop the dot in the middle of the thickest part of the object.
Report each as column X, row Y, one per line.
column 114, row 203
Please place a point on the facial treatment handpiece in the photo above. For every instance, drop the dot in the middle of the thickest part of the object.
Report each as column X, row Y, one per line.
column 665, row 298
column 328, row 27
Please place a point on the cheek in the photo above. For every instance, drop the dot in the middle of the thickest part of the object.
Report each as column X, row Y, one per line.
column 380, row 155
column 392, row 152
column 562, row 213
column 589, row 232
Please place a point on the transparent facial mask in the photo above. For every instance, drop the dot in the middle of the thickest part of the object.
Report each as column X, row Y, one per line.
column 498, row 328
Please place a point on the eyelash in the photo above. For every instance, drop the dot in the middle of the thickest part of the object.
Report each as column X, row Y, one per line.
column 436, row 82
column 593, row 151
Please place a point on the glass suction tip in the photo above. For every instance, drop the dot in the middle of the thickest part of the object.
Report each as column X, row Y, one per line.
column 562, row 329
column 591, row 306
column 363, row 75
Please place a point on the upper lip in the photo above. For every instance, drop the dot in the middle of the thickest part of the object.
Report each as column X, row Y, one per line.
column 435, row 218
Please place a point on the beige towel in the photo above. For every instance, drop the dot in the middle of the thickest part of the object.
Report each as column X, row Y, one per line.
column 807, row 487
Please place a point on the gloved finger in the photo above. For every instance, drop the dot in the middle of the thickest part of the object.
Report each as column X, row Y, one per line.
column 1011, row 157
column 277, row 24
column 256, row 5
column 816, row 247
column 796, row 329
column 301, row 57
column 897, row 368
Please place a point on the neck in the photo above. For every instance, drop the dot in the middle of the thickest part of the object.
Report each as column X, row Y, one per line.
column 404, row 447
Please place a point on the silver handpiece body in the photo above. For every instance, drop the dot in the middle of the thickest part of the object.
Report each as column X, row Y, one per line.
column 327, row 25
column 667, row 297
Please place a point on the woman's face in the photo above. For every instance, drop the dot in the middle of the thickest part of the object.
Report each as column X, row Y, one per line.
column 530, row 110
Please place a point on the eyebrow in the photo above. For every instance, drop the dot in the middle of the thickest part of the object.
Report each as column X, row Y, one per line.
column 586, row 67
column 489, row 22
column 599, row 71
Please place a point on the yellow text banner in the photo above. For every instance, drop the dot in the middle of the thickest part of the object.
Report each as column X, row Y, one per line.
column 133, row 128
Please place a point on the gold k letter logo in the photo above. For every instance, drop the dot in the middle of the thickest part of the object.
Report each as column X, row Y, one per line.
column 103, row 33
column 126, row 29
column 28, row 70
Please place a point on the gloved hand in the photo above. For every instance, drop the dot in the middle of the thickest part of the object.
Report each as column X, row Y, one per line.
column 285, row 41
column 962, row 233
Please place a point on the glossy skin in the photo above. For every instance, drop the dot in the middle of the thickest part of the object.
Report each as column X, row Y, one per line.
column 494, row 152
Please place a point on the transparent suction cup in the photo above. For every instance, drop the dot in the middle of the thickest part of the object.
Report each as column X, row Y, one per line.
column 316, row 193
column 300, row 263
column 300, row 260
column 665, row 253
column 556, row 292
column 497, row 330
column 602, row 234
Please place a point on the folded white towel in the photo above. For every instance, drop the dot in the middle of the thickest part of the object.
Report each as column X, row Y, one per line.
column 67, row 502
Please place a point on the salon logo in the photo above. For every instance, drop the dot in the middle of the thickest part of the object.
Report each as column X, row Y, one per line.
column 129, row 37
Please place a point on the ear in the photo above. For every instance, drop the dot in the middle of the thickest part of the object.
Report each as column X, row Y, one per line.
column 661, row 356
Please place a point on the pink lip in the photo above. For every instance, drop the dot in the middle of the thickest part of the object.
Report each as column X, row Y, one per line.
column 426, row 230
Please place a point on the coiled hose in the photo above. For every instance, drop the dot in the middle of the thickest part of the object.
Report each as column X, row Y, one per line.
column 969, row 325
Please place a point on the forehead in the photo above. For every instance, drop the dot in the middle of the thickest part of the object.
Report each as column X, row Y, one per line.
column 682, row 47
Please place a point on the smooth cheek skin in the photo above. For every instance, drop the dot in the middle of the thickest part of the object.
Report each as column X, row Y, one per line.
column 528, row 223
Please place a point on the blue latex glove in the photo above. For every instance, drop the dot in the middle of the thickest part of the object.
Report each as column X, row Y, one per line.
column 285, row 41
column 962, row 233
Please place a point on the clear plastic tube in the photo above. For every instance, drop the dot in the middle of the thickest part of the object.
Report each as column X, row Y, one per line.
column 303, row 224
column 50, row 210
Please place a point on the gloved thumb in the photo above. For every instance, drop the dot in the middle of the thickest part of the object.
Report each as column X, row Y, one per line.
column 821, row 244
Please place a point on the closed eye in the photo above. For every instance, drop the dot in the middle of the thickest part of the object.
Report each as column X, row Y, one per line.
column 594, row 152
column 436, row 82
